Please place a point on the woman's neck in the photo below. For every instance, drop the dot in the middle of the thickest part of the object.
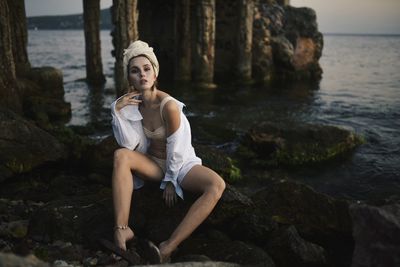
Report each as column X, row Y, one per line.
column 149, row 97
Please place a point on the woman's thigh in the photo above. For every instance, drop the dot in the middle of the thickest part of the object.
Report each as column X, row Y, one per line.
column 141, row 164
column 200, row 178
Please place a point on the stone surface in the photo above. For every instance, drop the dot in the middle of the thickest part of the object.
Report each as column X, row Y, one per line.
column 8, row 259
column 49, row 79
column 23, row 146
column 320, row 219
column 287, row 248
column 220, row 248
column 278, row 144
column 376, row 232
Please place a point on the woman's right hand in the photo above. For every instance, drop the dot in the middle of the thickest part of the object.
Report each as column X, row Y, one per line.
column 128, row 99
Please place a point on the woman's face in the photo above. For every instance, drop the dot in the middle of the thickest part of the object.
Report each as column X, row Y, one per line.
column 141, row 73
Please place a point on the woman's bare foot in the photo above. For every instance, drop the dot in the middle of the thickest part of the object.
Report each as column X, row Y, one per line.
column 121, row 236
column 166, row 250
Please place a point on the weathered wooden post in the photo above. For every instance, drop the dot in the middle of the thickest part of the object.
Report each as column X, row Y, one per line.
column 183, row 50
column 19, row 38
column 91, row 19
column 8, row 93
column 204, row 54
column 124, row 17
column 244, row 40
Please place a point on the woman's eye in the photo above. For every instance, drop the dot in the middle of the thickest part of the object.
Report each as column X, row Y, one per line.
column 134, row 70
column 146, row 69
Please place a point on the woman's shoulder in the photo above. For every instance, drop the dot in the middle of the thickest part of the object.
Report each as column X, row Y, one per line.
column 161, row 95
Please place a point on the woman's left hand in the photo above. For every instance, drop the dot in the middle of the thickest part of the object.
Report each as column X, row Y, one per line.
column 169, row 195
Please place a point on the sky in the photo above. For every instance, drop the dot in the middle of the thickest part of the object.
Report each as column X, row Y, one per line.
column 338, row 16
column 355, row 16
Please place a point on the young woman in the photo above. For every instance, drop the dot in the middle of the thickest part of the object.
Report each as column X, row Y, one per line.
column 156, row 137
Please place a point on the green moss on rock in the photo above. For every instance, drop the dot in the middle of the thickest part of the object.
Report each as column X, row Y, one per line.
column 294, row 145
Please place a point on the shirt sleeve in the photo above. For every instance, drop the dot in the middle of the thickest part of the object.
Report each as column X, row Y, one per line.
column 177, row 146
column 126, row 132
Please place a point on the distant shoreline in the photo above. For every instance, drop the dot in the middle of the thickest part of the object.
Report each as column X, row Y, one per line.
column 326, row 33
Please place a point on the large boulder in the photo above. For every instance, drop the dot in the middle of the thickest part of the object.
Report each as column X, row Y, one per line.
column 23, row 146
column 291, row 40
column 317, row 217
column 218, row 247
column 219, row 162
column 49, row 79
column 43, row 95
column 376, row 232
column 294, row 144
column 76, row 218
column 288, row 248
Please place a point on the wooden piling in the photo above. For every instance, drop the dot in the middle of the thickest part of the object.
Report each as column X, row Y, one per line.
column 124, row 17
column 182, row 47
column 204, row 54
column 244, row 40
column 91, row 19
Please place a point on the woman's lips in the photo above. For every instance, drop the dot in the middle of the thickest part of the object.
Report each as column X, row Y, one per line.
column 143, row 81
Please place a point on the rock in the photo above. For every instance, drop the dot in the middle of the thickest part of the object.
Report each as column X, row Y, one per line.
column 376, row 232
column 278, row 144
column 252, row 225
column 74, row 219
column 43, row 95
column 318, row 218
column 46, row 109
column 79, row 147
column 23, row 146
column 294, row 39
column 287, row 248
column 195, row 264
column 14, row 229
column 100, row 157
column 151, row 216
column 283, row 52
column 226, row 250
column 262, row 57
column 49, row 79
column 219, row 162
column 8, row 259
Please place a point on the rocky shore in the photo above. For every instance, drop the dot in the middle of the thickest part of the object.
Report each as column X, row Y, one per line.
column 55, row 181
column 56, row 201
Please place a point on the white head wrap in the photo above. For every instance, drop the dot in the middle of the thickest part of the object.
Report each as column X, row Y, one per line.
column 138, row 48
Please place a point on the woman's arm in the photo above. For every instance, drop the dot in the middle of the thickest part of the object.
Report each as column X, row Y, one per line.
column 172, row 117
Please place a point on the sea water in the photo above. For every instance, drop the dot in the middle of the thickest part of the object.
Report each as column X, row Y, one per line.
column 360, row 90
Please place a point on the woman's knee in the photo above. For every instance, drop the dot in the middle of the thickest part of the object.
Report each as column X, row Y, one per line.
column 217, row 187
column 121, row 156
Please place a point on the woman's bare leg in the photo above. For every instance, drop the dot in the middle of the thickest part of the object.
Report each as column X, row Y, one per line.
column 126, row 162
column 211, row 185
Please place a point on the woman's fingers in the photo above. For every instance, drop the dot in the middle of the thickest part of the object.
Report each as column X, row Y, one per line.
column 169, row 196
column 130, row 99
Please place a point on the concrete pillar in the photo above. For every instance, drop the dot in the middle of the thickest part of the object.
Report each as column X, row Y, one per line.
column 94, row 65
column 124, row 18
column 244, row 40
column 182, row 46
column 204, row 54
